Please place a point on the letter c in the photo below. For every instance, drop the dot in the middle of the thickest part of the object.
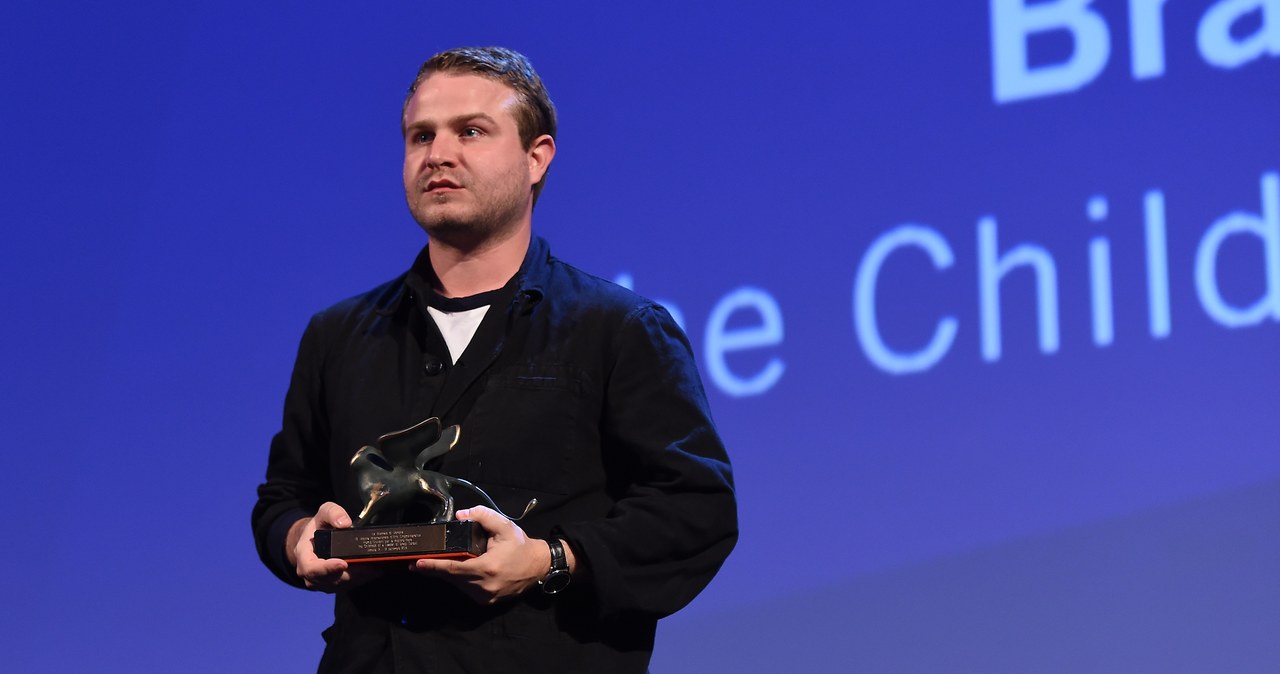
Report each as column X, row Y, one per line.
column 864, row 301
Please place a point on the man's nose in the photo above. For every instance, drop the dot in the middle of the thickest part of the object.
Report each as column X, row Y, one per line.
column 443, row 151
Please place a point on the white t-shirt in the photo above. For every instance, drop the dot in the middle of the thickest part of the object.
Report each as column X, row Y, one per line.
column 458, row 327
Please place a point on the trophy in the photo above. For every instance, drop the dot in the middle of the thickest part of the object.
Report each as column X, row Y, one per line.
column 392, row 479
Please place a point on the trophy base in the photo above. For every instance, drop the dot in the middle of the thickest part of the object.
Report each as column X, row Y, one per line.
column 440, row 540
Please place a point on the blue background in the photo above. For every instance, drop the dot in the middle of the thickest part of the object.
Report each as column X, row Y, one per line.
column 185, row 183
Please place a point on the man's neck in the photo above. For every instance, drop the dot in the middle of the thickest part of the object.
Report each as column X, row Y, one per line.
column 489, row 266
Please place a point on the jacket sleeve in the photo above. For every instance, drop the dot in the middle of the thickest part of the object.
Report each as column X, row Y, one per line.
column 297, row 480
column 675, row 521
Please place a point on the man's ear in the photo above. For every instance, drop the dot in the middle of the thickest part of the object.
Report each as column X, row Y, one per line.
column 541, row 151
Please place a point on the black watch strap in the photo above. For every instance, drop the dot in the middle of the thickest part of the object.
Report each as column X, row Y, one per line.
column 558, row 561
column 558, row 577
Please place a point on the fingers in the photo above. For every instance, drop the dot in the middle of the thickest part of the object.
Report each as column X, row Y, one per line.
column 512, row 563
column 332, row 575
column 474, row 513
column 332, row 516
column 492, row 522
column 473, row 576
column 326, row 575
column 446, row 566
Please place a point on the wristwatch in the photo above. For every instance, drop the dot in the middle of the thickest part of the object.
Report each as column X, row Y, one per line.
column 557, row 579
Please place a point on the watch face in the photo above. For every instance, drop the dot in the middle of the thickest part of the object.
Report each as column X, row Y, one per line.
column 555, row 581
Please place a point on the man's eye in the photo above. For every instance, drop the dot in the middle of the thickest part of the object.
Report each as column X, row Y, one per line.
column 470, row 132
column 421, row 137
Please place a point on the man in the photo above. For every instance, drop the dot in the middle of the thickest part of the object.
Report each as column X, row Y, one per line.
column 568, row 389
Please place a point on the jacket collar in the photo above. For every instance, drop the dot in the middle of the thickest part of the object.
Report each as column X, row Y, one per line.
column 530, row 280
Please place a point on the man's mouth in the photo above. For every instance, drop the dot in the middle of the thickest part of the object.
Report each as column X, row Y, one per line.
column 441, row 183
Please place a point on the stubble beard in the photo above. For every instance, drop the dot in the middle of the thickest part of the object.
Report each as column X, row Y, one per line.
column 492, row 215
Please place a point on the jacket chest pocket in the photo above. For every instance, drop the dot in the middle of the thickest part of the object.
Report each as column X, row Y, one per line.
column 534, row 428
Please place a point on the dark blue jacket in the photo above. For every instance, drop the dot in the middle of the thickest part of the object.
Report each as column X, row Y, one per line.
column 573, row 391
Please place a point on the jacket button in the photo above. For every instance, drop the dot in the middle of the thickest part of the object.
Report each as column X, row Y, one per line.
column 433, row 366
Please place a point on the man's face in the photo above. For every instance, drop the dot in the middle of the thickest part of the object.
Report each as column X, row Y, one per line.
column 467, row 176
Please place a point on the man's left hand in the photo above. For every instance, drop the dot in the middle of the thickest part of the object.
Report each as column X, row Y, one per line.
column 511, row 564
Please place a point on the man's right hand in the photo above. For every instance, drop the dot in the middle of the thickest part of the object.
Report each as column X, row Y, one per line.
column 325, row 575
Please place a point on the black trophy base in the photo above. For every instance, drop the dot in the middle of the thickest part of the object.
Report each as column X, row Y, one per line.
column 441, row 540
